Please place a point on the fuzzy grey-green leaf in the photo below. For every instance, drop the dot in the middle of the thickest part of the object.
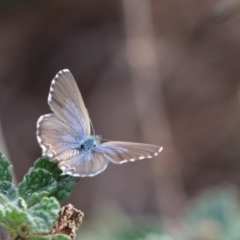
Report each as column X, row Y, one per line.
column 44, row 214
column 17, row 217
column 8, row 191
column 5, row 169
column 64, row 188
column 3, row 220
column 36, row 197
column 38, row 181
column 65, row 183
column 3, row 199
column 50, row 166
column 20, row 202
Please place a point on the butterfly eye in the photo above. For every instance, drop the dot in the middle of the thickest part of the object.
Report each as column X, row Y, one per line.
column 82, row 147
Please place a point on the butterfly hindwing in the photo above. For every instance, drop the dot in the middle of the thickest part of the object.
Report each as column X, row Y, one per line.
column 84, row 164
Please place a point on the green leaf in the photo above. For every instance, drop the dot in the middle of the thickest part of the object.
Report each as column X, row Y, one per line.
column 15, row 215
column 50, row 237
column 7, row 190
column 64, row 188
column 20, row 202
column 3, row 220
column 3, row 200
column 44, row 214
column 5, row 169
column 36, row 184
column 38, row 219
column 36, row 197
column 18, row 219
column 52, row 167
column 65, row 183
column 219, row 203
column 215, row 208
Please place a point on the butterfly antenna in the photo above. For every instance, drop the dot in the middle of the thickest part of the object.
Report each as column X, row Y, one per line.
column 92, row 128
column 107, row 140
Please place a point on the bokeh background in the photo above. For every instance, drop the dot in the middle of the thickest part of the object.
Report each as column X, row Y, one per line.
column 163, row 72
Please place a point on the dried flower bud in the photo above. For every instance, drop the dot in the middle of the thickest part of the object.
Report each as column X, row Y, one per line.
column 69, row 220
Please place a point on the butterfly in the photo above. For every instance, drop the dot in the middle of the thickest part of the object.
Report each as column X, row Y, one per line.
column 65, row 135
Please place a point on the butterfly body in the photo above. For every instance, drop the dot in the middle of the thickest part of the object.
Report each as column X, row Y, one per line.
column 65, row 135
column 88, row 143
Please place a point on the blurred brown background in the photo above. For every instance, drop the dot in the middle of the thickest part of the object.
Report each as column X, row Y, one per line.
column 162, row 72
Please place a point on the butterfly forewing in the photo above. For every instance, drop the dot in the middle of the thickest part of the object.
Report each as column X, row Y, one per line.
column 121, row 152
column 66, row 102
column 55, row 136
